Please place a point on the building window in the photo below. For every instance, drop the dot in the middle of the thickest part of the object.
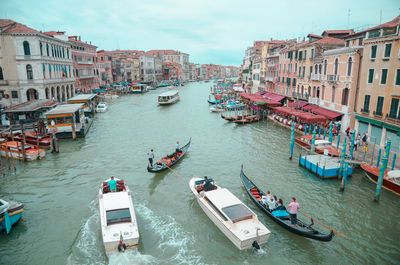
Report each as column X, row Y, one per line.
column 76, row 73
column 27, row 50
column 310, row 70
column 14, row 94
column 388, row 48
column 349, row 64
column 333, row 94
column 305, row 55
column 29, row 73
column 394, row 108
column 47, row 49
column 44, row 71
column 373, row 51
column 345, row 96
column 312, row 54
column 384, row 76
column 370, row 76
column 63, row 53
column 360, row 41
column 398, row 77
column 325, row 66
column 336, row 66
column 320, row 69
column 366, row 103
column 41, row 49
column 1, row 74
column 316, row 69
column 67, row 53
column 379, row 106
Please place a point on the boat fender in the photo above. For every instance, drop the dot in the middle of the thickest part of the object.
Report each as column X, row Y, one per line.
column 255, row 245
column 121, row 248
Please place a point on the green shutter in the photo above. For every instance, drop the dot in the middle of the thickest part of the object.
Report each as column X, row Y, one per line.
column 366, row 103
column 384, row 76
column 394, row 107
column 373, row 51
column 398, row 77
column 370, row 75
column 379, row 105
column 294, row 81
column 388, row 48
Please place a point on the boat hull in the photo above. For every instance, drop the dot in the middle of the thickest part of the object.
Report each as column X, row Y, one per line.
column 373, row 173
column 14, row 215
column 158, row 168
column 169, row 102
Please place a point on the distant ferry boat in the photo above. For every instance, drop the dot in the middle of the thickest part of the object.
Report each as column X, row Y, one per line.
column 169, row 97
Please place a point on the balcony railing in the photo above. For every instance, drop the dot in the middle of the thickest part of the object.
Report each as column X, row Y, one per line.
column 393, row 116
column 315, row 77
column 364, row 111
column 84, row 62
column 332, row 78
column 377, row 113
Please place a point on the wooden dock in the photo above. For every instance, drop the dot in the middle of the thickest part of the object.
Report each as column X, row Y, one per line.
column 323, row 166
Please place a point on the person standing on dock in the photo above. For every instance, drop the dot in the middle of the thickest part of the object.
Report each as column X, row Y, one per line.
column 294, row 206
column 151, row 157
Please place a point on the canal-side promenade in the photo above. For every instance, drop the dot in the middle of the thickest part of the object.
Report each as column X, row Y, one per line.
column 60, row 223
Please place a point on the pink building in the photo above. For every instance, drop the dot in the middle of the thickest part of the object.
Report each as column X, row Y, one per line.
column 104, row 61
column 84, row 59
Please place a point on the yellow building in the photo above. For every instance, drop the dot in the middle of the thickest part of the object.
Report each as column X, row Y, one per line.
column 379, row 90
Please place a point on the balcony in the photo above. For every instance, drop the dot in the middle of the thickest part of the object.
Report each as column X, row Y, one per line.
column 3, row 82
column 316, row 77
column 332, row 78
column 365, row 111
column 84, row 62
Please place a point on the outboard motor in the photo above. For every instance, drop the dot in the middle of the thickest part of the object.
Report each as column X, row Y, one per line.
column 255, row 245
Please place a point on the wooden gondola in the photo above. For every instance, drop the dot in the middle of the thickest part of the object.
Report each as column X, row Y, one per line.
column 246, row 119
column 282, row 219
column 169, row 160
column 232, row 118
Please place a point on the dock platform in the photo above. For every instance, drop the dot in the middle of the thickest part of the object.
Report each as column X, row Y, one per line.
column 325, row 167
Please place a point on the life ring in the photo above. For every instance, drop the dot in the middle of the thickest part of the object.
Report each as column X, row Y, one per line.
column 121, row 248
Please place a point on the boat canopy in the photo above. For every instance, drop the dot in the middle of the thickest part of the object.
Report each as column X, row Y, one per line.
column 169, row 93
column 64, row 109
column 82, row 97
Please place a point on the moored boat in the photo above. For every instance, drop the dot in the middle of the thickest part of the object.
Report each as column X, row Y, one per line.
column 169, row 160
column 391, row 178
column 246, row 119
column 119, row 228
column 239, row 224
column 30, row 138
column 102, row 107
column 10, row 213
column 14, row 149
column 217, row 108
column 321, row 146
column 281, row 216
column 169, row 97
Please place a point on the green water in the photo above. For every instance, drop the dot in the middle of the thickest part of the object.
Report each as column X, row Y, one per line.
column 60, row 223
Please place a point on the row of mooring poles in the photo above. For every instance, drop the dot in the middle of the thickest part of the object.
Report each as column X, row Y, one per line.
column 382, row 170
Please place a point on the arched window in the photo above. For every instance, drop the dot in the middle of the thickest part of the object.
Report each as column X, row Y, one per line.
column 27, row 50
column 41, row 49
column 67, row 53
column 29, row 73
column 1, row 74
column 316, row 69
column 63, row 52
column 349, row 64
column 320, row 69
column 47, row 93
column 44, row 71
column 345, row 96
column 47, row 49
column 336, row 66
column 325, row 66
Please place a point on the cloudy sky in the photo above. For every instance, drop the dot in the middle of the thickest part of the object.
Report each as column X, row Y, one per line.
column 211, row 31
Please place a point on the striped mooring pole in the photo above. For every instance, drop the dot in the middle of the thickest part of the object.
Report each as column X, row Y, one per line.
column 382, row 169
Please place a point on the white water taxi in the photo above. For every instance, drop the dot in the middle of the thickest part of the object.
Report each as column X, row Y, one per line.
column 119, row 227
column 229, row 214
column 169, row 97
column 101, row 107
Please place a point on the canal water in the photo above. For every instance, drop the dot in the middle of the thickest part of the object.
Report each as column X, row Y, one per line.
column 61, row 223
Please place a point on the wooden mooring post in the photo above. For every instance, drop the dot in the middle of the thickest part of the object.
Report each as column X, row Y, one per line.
column 23, row 143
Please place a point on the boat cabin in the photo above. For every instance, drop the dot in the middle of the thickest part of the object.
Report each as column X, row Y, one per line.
column 61, row 119
column 89, row 102
column 168, row 97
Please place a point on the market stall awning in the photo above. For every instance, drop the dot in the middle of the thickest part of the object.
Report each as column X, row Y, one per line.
column 331, row 115
column 298, row 104
column 304, row 116
column 273, row 96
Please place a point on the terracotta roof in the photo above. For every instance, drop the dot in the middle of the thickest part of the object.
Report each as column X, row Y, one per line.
column 54, row 33
column 75, row 39
column 314, row 36
column 338, row 31
column 393, row 23
column 165, row 52
column 10, row 26
column 330, row 41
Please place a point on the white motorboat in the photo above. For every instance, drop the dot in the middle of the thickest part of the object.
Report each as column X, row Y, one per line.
column 229, row 214
column 217, row 109
column 119, row 227
column 102, row 107
column 169, row 97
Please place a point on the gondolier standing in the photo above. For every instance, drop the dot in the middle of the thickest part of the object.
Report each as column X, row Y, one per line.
column 294, row 206
column 177, row 149
column 151, row 157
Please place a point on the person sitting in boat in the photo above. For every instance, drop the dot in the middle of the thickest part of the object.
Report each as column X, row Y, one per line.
column 269, row 196
column 264, row 200
column 207, row 184
column 281, row 206
column 112, row 183
column 272, row 203
column 177, row 149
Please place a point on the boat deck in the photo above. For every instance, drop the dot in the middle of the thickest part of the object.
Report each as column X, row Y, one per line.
column 323, row 166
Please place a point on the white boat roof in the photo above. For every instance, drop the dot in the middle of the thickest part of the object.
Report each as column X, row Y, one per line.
column 65, row 109
column 116, row 200
column 393, row 174
column 82, row 97
column 317, row 142
column 222, row 198
column 169, row 93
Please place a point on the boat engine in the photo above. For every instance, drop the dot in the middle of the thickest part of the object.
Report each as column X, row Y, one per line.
column 121, row 248
column 255, row 245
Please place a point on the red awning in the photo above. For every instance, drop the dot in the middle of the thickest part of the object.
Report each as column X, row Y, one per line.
column 308, row 107
column 274, row 97
column 260, row 93
column 304, row 116
column 298, row 104
column 331, row 115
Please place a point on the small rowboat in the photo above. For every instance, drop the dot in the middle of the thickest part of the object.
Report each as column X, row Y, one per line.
column 169, row 160
column 10, row 214
column 281, row 217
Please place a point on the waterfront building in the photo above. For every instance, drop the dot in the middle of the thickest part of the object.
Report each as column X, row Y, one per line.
column 192, row 72
column 84, row 59
column 172, row 56
column 131, row 70
column 104, row 62
column 171, row 71
column 379, row 83
column 33, row 65
column 256, row 72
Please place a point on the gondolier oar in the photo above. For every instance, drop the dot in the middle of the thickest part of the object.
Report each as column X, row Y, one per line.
column 336, row 233
column 171, row 169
